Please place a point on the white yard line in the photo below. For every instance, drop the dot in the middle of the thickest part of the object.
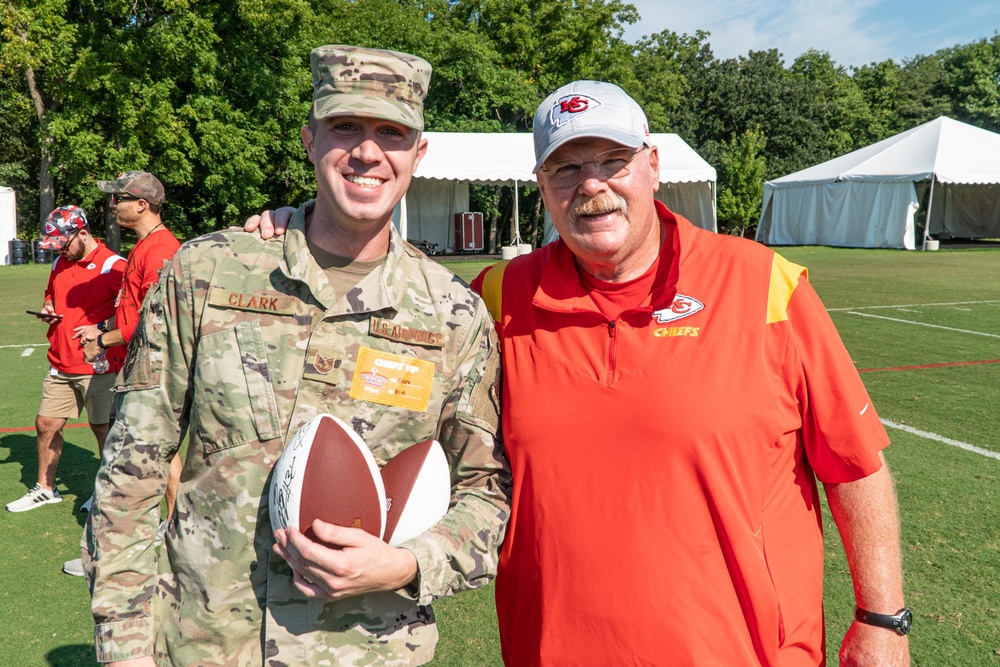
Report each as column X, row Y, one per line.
column 922, row 324
column 940, row 438
column 916, row 305
column 32, row 345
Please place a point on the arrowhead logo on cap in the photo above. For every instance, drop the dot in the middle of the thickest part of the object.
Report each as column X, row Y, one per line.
column 569, row 107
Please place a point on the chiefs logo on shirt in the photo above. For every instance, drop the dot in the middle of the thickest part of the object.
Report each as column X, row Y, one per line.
column 683, row 306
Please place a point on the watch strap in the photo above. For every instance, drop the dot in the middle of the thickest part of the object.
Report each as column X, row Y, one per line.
column 100, row 341
column 899, row 622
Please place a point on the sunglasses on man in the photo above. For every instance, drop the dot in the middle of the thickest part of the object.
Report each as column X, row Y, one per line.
column 117, row 199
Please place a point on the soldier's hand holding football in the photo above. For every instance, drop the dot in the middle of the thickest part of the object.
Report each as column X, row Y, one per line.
column 349, row 561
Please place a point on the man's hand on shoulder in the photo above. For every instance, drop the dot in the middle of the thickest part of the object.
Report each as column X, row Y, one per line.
column 349, row 561
column 270, row 223
column 867, row 645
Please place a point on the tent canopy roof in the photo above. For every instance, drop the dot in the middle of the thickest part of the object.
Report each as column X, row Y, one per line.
column 946, row 149
column 504, row 158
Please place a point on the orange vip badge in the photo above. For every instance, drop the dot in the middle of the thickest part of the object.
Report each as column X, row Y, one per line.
column 392, row 379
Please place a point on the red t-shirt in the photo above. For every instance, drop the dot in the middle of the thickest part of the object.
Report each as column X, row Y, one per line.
column 665, row 509
column 612, row 299
column 142, row 270
column 83, row 293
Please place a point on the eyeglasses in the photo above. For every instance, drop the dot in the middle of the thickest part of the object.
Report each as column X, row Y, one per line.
column 69, row 240
column 610, row 165
column 116, row 198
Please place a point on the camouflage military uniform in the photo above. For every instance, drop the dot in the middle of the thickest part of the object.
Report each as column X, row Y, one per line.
column 241, row 343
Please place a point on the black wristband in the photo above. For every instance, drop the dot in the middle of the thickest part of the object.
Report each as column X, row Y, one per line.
column 900, row 622
column 100, row 342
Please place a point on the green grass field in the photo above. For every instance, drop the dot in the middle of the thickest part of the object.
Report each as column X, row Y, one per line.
column 904, row 312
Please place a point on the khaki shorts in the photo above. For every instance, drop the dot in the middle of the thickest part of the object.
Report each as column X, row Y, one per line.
column 64, row 395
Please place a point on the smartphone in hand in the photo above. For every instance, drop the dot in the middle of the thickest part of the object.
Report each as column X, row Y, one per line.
column 38, row 314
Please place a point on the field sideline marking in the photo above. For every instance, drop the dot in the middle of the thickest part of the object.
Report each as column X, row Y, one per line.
column 922, row 367
column 914, row 305
column 31, row 345
column 923, row 324
column 940, row 438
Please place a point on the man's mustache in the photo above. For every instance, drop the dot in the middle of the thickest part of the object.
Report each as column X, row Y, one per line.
column 605, row 202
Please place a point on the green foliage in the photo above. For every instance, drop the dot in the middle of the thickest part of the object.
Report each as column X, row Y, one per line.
column 211, row 95
column 662, row 63
column 741, row 182
column 973, row 82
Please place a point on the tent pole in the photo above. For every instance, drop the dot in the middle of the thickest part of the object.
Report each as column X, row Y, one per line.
column 517, row 217
column 927, row 221
column 403, row 222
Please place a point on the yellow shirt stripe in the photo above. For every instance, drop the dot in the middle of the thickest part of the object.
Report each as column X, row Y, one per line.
column 493, row 289
column 784, row 280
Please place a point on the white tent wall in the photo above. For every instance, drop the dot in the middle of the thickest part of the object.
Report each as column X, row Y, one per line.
column 853, row 214
column 430, row 208
column 440, row 187
column 964, row 210
column 8, row 223
column 868, row 198
column 693, row 200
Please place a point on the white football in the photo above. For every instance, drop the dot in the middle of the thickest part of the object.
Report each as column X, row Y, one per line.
column 327, row 472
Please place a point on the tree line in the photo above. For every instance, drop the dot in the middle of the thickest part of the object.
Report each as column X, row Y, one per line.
column 210, row 95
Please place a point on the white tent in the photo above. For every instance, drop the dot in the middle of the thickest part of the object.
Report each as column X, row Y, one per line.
column 455, row 159
column 868, row 198
column 8, row 223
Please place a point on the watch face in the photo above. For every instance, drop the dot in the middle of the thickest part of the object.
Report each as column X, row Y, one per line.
column 905, row 622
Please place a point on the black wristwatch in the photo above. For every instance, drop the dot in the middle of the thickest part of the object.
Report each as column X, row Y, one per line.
column 100, row 343
column 900, row 622
column 102, row 326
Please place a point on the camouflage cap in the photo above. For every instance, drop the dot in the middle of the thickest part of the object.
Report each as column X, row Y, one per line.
column 141, row 184
column 62, row 223
column 352, row 81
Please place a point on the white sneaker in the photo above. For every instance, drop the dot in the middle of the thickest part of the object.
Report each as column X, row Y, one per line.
column 87, row 505
column 35, row 497
column 74, row 567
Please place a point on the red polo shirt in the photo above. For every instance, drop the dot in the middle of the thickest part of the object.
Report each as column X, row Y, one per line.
column 83, row 293
column 665, row 508
column 142, row 270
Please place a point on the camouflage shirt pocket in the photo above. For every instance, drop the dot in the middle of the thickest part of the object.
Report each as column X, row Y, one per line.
column 143, row 367
column 234, row 396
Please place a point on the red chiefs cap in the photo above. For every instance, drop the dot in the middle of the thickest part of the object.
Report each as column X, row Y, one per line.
column 588, row 109
column 60, row 225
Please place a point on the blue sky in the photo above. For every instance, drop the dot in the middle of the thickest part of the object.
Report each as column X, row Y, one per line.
column 853, row 32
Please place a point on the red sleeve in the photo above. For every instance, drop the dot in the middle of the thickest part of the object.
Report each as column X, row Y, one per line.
column 841, row 431
column 50, row 294
column 477, row 282
column 152, row 265
column 112, row 284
